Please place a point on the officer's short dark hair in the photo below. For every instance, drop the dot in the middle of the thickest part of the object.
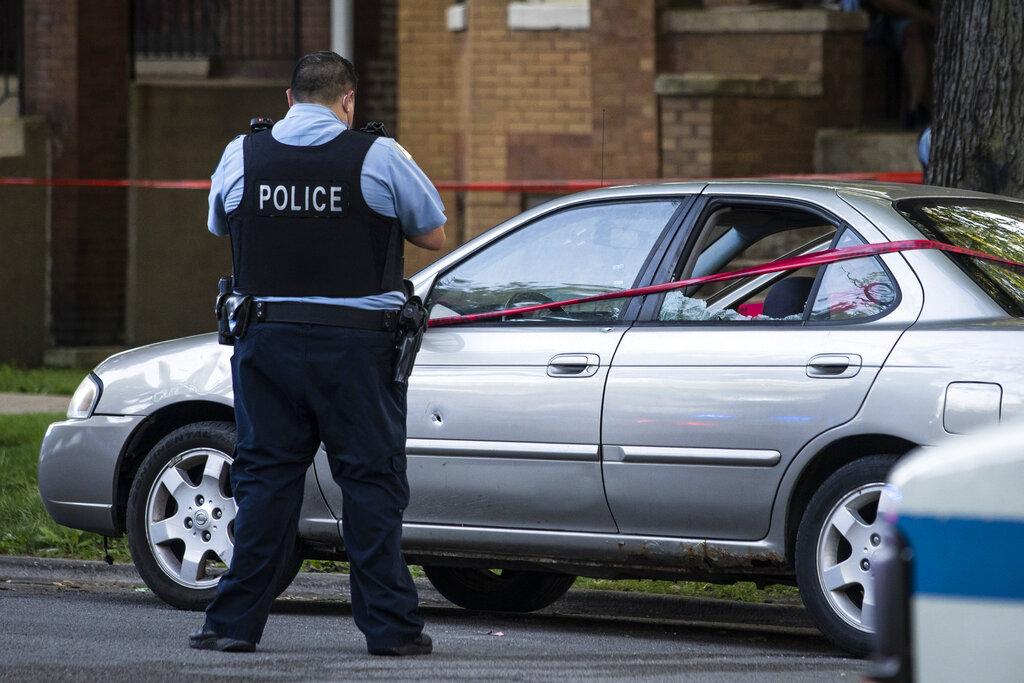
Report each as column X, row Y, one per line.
column 322, row 77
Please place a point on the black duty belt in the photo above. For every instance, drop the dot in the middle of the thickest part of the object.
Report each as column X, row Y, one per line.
column 325, row 314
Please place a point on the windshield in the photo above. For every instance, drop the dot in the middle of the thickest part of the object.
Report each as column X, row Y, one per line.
column 992, row 226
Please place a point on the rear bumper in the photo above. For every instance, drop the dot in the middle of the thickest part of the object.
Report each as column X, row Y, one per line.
column 77, row 468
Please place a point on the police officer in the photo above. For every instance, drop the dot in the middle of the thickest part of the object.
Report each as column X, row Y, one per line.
column 317, row 213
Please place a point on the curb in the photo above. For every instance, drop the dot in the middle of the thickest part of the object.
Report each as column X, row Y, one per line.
column 46, row 570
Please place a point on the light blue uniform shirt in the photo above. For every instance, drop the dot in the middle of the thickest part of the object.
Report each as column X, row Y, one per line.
column 393, row 186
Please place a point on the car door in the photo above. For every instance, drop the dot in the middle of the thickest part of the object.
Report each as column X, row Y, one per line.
column 714, row 390
column 504, row 416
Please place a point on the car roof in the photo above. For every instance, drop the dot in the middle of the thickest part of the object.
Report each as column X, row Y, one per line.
column 875, row 190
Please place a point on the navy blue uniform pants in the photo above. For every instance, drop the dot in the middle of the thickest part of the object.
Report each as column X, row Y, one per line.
column 295, row 386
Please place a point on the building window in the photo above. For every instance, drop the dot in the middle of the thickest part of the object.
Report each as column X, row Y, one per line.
column 455, row 17
column 548, row 15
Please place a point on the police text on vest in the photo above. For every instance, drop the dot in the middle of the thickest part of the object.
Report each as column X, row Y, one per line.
column 301, row 199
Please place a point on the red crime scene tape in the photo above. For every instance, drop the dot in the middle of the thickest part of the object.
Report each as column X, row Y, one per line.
column 537, row 186
column 793, row 263
column 109, row 182
column 568, row 186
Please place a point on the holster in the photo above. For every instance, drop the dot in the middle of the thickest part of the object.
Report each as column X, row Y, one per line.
column 233, row 312
column 412, row 324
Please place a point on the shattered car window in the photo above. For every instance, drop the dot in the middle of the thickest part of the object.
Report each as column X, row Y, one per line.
column 678, row 306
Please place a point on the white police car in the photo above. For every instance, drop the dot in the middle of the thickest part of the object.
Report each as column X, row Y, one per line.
column 951, row 589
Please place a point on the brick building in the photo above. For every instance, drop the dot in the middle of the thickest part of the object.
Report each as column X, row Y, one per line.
column 481, row 90
column 492, row 90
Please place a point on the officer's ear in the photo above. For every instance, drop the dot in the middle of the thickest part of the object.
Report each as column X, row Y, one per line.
column 288, row 94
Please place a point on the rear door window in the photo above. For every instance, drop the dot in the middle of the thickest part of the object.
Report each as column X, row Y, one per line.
column 738, row 237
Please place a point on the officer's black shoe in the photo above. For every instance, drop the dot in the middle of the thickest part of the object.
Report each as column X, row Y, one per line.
column 201, row 639
column 421, row 646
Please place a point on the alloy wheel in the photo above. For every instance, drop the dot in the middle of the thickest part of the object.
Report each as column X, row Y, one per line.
column 850, row 542
column 189, row 517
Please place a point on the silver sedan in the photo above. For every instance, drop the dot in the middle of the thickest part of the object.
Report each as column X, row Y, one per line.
column 727, row 431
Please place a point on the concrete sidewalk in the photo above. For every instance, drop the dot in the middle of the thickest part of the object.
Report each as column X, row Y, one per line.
column 13, row 404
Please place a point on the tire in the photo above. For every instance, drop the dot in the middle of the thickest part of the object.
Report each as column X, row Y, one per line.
column 507, row 591
column 835, row 552
column 195, row 460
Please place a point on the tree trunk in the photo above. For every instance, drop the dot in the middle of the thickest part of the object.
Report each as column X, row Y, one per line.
column 978, row 132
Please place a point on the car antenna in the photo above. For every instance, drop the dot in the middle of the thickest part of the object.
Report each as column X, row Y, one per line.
column 602, row 145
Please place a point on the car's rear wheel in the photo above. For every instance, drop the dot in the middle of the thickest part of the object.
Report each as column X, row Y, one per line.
column 498, row 590
column 840, row 536
column 180, row 516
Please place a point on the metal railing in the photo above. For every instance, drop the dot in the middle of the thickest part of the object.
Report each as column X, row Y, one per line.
column 12, row 51
column 222, row 29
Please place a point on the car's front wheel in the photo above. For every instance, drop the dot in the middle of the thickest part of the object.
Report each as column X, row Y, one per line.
column 498, row 590
column 840, row 537
column 180, row 516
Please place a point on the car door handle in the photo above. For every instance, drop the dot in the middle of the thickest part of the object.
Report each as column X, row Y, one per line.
column 574, row 365
column 834, row 365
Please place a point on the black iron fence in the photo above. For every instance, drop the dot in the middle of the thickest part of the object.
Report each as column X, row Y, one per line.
column 12, row 51
column 220, row 29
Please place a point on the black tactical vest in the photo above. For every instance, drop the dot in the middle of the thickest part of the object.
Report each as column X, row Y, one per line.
column 303, row 227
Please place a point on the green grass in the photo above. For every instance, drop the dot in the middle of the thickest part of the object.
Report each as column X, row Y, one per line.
column 26, row 529
column 744, row 591
column 40, row 380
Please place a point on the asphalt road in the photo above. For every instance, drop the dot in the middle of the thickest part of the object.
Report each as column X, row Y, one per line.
column 84, row 621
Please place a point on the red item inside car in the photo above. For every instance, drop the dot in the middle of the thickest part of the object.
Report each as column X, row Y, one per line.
column 751, row 310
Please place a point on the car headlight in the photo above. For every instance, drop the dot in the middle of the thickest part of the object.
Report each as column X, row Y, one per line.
column 85, row 398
